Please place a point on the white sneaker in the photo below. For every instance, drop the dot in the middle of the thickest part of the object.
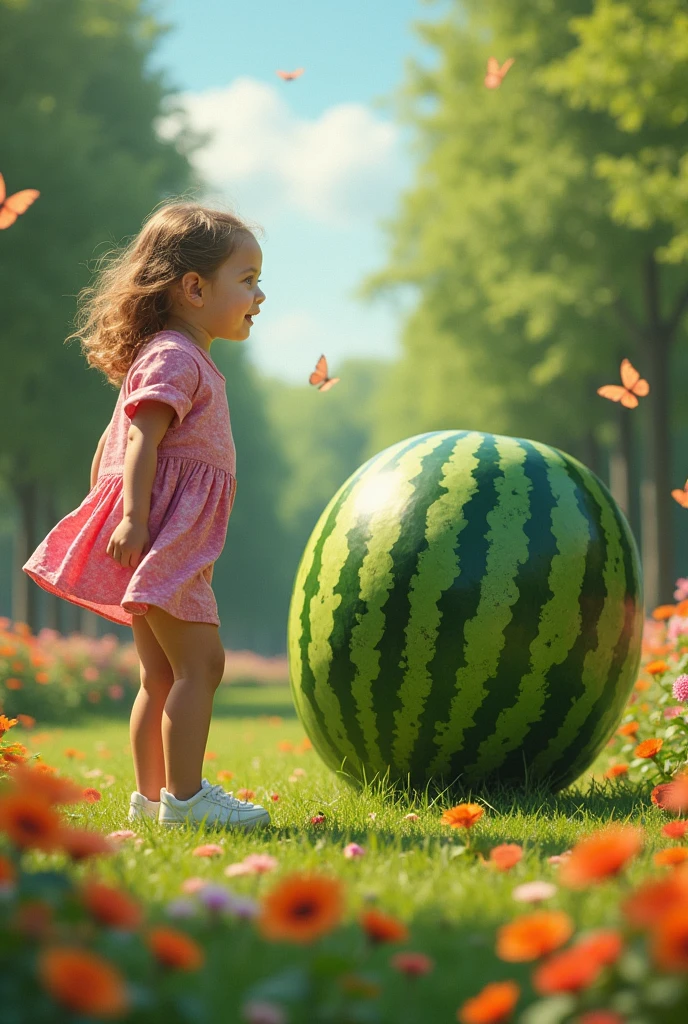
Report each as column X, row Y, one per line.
column 141, row 807
column 212, row 805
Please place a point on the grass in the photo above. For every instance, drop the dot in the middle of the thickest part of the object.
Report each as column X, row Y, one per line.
column 417, row 871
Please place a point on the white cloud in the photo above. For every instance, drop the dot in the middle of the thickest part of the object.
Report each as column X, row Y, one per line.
column 338, row 168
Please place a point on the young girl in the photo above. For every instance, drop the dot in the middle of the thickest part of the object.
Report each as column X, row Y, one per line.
column 141, row 547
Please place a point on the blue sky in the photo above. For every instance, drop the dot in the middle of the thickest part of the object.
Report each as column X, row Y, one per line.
column 316, row 162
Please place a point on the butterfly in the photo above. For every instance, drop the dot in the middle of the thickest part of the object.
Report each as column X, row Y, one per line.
column 633, row 384
column 12, row 206
column 289, row 75
column 495, row 74
column 681, row 496
column 319, row 376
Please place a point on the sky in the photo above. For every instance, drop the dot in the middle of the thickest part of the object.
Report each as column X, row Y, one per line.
column 317, row 163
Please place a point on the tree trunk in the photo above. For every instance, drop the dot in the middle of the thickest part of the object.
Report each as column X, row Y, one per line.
column 657, row 519
column 52, row 601
column 25, row 609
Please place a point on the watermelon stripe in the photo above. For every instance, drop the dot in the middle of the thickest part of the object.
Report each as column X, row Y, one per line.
column 597, row 664
column 378, row 578
column 561, row 541
column 437, row 568
column 611, row 701
column 484, row 634
column 459, row 603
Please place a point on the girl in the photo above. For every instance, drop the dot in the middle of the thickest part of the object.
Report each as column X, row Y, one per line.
column 141, row 547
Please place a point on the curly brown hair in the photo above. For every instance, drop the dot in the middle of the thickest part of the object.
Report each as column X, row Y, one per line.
column 130, row 301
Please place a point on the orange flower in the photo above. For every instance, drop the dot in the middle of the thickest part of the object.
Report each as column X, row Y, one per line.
column 6, row 724
column 173, row 948
column 381, row 927
column 54, row 789
column 7, row 871
column 505, row 856
column 82, row 842
column 629, row 729
column 42, row 678
column 245, row 794
column 657, row 668
column 649, row 748
column 651, row 900
column 570, row 971
column 83, row 981
column 27, row 721
column 224, row 776
column 72, row 752
column 675, row 829
column 301, row 908
column 672, row 796
column 14, row 684
column 642, row 685
column 285, row 746
column 600, row 855
column 671, row 856
column 669, row 941
column 615, row 770
column 493, row 1004
column 15, row 754
column 604, row 945
column 30, row 821
column 210, row 755
column 463, row 815
column 682, row 609
column 111, row 907
column 91, row 795
column 533, row 935
column 663, row 611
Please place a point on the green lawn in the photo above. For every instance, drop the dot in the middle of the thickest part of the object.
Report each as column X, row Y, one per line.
column 415, row 870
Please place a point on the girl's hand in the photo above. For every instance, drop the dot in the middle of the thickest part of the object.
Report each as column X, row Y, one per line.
column 128, row 540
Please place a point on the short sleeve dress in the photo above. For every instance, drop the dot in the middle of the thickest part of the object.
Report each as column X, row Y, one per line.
column 191, row 499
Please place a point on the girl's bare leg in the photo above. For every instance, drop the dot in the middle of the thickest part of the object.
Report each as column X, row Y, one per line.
column 145, row 723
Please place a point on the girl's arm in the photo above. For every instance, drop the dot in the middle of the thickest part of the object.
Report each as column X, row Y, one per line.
column 95, row 465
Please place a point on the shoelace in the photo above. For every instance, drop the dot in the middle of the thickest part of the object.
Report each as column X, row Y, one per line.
column 226, row 797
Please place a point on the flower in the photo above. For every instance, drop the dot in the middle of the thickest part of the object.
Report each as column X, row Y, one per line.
column 245, row 794
column 30, row 821
column 669, row 940
column 110, row 906
column 505, row 856
column 274, row 797
column 215, row 897
column 649, row 748
column 672, row 796
column 121, row 835
column 174, row 949
column 301, row 908
column 224, row 775
column 413, row 965
column 681, row 592
column 570, row 971
column 601, row 1017
column 675, row 829
column 559, row 858
column 601, row 855
column 318, row 819
column 628, row 729
column 673, row 712
column 463, row 815
column 493, row 1004
column 6, row 724
column 352, row 850
column 680, row 688
column 83, row 981
column 252, row 864
column 82, row 842
column 663, row 611
column 115, row 692
column 27, row 721
column 53, row 788
column 533, row 935
column 191, row 885
column 182, row 907
column 207, row 850
column 381, row 927
column 71, row 752
column 411, row 817
column 91, row 795
column 534, row 892
column 671, row 856
column 651, row 900
column 657, row 668
column 263, row 1013
column 616, row 769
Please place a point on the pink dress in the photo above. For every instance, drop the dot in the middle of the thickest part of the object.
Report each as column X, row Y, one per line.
column 191, row 498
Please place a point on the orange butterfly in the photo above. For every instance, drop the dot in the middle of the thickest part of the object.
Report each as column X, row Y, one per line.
column 495, row 74
column 633, row 384
column 12, row 206
column 681, row 496
column 319, row 376
column 289, row 75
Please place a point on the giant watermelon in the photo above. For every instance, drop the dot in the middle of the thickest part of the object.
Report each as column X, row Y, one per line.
column 467, row 609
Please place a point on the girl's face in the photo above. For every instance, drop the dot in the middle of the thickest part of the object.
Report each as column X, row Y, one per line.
column 234, row 293
column 218, row 307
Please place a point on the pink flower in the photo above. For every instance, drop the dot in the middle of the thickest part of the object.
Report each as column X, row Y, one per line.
column 252, row 864
column 318, row 819
column 533, row 892
column 263, row 1013
column 673, row 712
column 680, row 687
column 413, row 965
column 208, row 850
column 681, row 592
column 121, row 835
column 557, row 858
column 91, row 674
column 116, row 691
column 352, row 850
column 678, row 625
column 192, row 885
